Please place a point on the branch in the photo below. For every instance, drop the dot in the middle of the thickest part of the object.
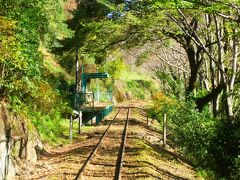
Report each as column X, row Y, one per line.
column 201, row 102
column 115, row 42
column 194, row 37
column 170, row 64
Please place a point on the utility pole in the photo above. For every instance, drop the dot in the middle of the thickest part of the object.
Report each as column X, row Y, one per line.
column 76, row 76
column 76, row 95
column 80, row 91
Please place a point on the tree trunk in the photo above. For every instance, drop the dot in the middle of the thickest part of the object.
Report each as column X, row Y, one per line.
column 194, row 66
column 230, row 87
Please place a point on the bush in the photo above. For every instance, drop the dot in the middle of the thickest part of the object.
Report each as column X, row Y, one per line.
column 161, row 104
column 193, row 131
column 225, row 148
column 209, row 143
column 140, row 89
column 171, row 84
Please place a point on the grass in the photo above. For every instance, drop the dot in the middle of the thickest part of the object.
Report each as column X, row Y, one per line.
column 150, row 162
column 207, row 174
column 145, row 153
column 62, row 138
column 147, row 159
column 135, row 74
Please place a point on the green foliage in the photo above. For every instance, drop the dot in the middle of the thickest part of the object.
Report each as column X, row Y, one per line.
column 17, row 67
column 206, row 173
column 48, row 127
column 23, row 26
column 41, row 90
column 162, row 104
column 140, row 89
column 57, row 29
column 47, row 110
column 225, row 148
column 67, row 61
column 193, row 131
column 209, row 6
column 171, row 84
column 132, row 83
column 38, row 90
column 30, row 25
column 236, row 170
column 207, row 142
column 142, row 58
column 115, row 68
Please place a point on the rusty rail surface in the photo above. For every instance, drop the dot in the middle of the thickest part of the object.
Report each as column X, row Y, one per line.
column 119, row 165
column 81, row 171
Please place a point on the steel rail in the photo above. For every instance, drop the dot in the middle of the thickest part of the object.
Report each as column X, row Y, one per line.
column 118, row 171
column 81, row 171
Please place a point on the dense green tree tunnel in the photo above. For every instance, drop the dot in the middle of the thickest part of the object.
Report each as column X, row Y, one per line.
column 182, row 55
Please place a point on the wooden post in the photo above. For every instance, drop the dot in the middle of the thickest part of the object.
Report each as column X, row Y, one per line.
column 79, row 121
column 164, row 129
column 71, row 129
column 93, row 102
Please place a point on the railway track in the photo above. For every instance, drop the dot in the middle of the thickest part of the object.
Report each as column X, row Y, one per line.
column 106, row 159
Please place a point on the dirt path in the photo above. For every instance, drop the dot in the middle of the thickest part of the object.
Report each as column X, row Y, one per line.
column 145, row 158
